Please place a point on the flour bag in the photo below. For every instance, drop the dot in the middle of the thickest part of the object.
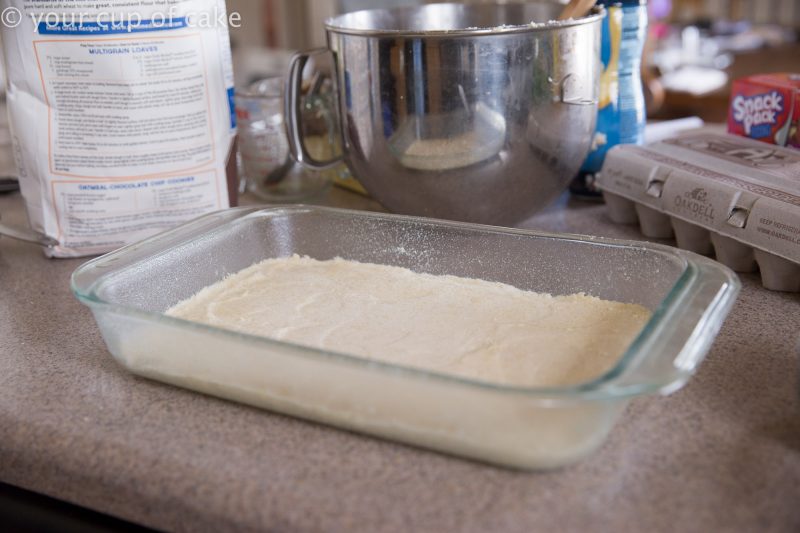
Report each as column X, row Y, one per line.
column 121, row 115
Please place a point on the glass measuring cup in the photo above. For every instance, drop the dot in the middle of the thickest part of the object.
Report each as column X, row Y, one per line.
column 264, row 162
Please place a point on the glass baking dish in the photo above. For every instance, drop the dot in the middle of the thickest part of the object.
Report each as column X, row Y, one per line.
column 129, row 290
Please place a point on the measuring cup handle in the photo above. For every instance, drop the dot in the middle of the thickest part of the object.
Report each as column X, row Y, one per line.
column 293, row 103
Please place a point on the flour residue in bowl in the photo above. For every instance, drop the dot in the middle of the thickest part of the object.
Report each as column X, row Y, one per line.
column 463, row 327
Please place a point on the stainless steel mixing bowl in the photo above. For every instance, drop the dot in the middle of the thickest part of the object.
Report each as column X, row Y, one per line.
column 478, row 112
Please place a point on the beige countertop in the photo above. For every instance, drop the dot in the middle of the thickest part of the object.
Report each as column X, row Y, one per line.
column 722, row 454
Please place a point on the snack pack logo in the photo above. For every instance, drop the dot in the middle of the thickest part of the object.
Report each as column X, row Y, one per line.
column 695, row 202
column 757, row 114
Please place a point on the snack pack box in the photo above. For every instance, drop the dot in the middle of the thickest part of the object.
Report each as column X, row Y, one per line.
column 766, row 107
column 716, row 194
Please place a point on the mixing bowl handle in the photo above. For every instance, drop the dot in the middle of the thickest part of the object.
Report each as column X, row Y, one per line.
column 564, row 95
column 293, row 103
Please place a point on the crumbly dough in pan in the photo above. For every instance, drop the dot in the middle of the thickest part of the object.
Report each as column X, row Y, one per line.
column 464, row 327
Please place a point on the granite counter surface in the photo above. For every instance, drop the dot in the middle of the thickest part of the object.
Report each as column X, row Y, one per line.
column 722, row 454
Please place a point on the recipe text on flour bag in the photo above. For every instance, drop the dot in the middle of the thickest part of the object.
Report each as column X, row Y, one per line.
column 121, row 116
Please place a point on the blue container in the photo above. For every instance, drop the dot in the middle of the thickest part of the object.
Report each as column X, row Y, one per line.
column 621, row 114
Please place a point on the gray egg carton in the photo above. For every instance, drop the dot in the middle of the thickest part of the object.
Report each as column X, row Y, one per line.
column 715, row 194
